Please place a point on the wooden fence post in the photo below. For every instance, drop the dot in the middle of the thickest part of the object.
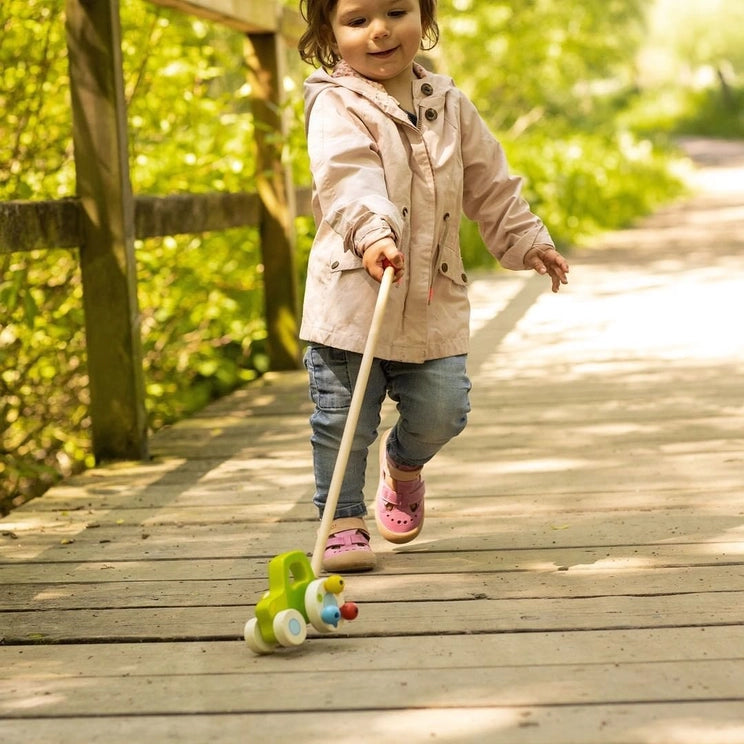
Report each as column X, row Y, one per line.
column 107, row 261
column 264, row 55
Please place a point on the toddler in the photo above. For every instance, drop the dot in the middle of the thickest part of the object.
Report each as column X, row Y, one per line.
column 397, row 155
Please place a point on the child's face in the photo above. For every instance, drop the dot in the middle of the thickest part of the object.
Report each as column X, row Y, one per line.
column 378, row 38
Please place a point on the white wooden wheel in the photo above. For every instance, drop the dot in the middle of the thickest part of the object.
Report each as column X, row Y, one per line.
column 290, row 627
column 254, row 639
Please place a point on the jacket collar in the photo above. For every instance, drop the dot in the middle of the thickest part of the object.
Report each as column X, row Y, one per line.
column 346, row 76
column 343, row 69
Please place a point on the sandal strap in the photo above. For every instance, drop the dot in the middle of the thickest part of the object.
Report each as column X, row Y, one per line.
column 348, row 523
column 404, row 498
column 349, row 539
column 401, row 475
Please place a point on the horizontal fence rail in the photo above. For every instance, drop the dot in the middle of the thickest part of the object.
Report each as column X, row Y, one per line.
column 42, row 225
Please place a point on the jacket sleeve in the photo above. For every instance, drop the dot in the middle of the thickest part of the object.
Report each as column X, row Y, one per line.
column 491, row 196
column 350, row 193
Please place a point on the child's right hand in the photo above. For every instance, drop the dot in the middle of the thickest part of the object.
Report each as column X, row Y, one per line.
column 379, row 254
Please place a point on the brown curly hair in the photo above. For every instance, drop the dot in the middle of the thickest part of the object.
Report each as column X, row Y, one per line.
column 315, row 45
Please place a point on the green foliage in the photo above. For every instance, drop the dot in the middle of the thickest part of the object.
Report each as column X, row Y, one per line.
column 706, row 111
column 201, row 306
column 526, row 60
column 552, row 79
column 691, row 70
column 43, row 387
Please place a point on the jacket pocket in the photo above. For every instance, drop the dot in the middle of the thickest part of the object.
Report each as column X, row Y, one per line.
column 451, row 266
column 345, row 261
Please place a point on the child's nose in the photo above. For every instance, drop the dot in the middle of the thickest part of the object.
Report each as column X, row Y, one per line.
column 380, row 28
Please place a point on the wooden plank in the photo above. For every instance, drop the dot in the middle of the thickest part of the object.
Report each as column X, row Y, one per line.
column 159, row 507
column 117, row 539
column 36, row 596
column 107, row 263
column 261, row 547
column 256, row 690
column 462, row 651
column 599, row 561
column 657, row 723
column 382, row 619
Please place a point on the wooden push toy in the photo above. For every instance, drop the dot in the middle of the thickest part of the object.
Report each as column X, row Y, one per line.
column 296, row 596
column 294, row 599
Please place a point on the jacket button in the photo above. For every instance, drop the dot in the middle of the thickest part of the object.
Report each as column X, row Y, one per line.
column 334, row 265
column 426, row 89
column 445, row 267
column 430, row 114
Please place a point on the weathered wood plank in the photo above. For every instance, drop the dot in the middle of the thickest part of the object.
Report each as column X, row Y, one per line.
column 607, row 525
column 598, row 561
column 394, row 689
column 383, row 618
column 433, row 651
column 656, row 723
column 36, row 596
column 491, row 531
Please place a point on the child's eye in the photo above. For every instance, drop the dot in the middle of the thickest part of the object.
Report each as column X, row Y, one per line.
column 356, row 22
column 396, row 13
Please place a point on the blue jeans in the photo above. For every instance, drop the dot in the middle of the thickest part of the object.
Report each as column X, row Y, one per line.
column 432, row 401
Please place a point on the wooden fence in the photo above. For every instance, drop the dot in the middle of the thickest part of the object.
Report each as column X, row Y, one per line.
column 104, row 218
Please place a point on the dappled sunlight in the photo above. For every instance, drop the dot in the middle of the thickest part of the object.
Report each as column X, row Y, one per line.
column 534, row 465
column 616, row 563
column 61, row 523
column 688, row 730
column 457, row 726
column 722, row 547
column 34, row 703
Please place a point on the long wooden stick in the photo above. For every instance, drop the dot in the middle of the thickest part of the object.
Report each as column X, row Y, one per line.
column 352, row 420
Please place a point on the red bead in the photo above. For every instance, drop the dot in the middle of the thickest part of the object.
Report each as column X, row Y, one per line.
column 349, row 611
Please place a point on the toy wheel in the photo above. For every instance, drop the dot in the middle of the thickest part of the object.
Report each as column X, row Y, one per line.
column 290, row 628
column 254, row 639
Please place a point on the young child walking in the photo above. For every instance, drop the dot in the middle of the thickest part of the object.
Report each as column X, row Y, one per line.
column 397, row 154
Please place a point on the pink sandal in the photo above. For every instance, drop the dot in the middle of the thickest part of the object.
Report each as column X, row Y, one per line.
column 347, row 548
column 399, row 505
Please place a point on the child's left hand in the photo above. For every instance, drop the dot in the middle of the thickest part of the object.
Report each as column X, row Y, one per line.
column 545, row 259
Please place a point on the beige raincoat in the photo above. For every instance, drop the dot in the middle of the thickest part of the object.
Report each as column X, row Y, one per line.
column 376, row 174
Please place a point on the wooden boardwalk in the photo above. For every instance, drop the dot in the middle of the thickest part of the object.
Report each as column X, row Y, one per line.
column 580, row 578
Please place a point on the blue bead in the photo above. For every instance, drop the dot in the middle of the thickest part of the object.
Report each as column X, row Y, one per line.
column 330, row 615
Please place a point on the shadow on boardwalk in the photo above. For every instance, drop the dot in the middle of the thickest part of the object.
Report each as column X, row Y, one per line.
column 580, row 577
